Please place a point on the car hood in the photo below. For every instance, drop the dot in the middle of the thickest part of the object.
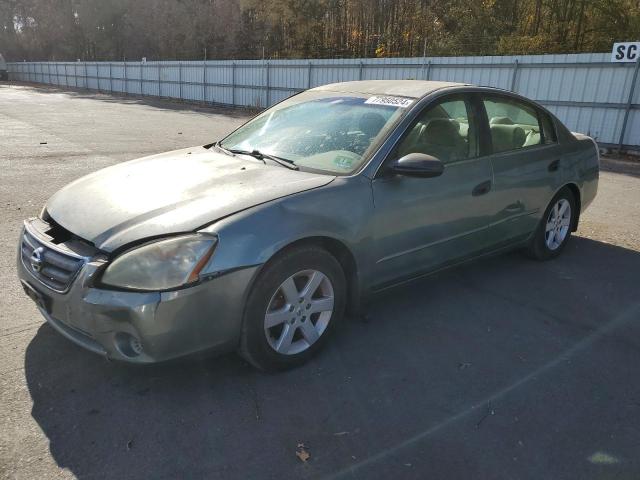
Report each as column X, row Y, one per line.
column 169, row 193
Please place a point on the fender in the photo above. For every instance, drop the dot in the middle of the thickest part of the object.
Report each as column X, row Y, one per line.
column 340, row 211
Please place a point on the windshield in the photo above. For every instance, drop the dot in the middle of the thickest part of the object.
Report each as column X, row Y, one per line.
column 327, row 131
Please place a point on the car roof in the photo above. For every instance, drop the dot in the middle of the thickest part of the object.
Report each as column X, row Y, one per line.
column 402, row 88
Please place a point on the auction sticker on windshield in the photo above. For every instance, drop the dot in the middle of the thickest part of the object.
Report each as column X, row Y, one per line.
column 390, row 101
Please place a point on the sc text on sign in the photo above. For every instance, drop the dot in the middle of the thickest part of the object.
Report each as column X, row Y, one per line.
column 625, row 52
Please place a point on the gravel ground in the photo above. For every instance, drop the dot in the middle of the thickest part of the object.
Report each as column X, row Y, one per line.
column 504, row 368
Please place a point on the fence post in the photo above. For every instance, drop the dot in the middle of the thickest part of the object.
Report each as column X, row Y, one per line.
column 159, row 80
column 627, row 111
column 180, row 78
column 428, row 76
column 233, row 83
column 514, row 76
column 204, row 81
column 110, row 79
column 66, row 76
column 360, row 70
column 86, row 77
column 309, row 74
column 126, row 82
column 268, row 92
column 141, row 91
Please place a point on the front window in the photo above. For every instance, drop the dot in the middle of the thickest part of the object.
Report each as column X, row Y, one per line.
column 327, row 131
column 443, row 131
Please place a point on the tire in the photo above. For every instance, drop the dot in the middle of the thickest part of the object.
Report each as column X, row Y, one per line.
column 277, row 330
column 547, row 245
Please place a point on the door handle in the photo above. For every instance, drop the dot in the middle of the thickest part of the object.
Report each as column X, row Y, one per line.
column 482, row 189
column 553, row 166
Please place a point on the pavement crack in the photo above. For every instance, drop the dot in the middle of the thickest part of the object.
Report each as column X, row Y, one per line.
column 30, row 326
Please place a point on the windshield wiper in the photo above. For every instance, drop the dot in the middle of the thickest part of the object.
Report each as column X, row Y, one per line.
column 257, row 154
column 261, row 156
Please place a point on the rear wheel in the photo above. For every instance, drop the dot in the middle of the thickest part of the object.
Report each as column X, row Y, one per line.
column 294, row 305
column 555, row 227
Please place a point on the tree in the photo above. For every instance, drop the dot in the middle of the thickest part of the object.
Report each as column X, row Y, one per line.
column 184, row 29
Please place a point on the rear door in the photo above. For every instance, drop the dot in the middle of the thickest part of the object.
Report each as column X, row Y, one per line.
column 525, row 159
column 422, row 224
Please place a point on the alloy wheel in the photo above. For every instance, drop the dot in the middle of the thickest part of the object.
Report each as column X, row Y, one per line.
column 299, row 312
column 558, row 224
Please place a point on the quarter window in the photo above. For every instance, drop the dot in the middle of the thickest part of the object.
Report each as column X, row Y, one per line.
column 443, row 131
column 513, row 124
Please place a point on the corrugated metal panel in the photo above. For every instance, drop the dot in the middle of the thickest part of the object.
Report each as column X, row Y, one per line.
column 587, row 92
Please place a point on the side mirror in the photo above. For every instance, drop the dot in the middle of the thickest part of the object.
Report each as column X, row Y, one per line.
column 417, row 165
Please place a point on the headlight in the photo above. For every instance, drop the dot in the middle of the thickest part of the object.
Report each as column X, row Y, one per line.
column 161, row 265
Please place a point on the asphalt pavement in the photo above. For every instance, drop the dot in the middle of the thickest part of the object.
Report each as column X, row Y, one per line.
column 505, row 368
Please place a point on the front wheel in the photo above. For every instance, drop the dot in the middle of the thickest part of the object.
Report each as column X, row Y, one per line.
column 294, row 305
column 555, row 227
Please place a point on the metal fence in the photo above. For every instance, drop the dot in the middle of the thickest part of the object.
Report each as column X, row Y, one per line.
column 587, row 92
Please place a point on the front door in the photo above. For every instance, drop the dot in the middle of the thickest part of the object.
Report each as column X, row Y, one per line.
column 422, row 224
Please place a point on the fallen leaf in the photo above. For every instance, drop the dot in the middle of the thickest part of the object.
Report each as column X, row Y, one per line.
column 302, row 453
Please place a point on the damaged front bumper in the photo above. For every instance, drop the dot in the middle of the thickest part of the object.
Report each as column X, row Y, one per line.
column 138, row 327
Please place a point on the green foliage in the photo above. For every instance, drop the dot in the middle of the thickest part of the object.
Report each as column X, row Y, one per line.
column 183, row 29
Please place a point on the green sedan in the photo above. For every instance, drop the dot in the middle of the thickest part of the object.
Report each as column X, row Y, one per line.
column 259, row 243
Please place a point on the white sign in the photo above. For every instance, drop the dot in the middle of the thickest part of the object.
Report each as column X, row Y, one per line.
column 390, row 101
column 625, row 52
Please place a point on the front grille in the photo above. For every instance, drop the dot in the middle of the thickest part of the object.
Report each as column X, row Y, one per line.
column 53, row 268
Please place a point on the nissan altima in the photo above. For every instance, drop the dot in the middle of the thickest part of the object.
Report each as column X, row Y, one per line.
column 260, row 242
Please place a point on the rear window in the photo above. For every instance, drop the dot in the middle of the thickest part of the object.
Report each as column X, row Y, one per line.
column 513, row 124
